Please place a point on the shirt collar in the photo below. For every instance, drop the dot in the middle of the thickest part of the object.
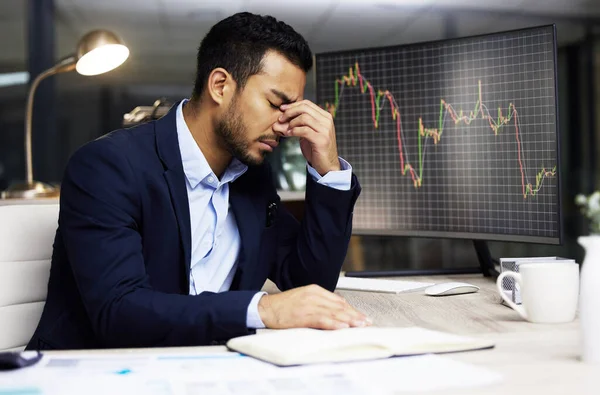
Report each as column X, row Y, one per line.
column 195, row 166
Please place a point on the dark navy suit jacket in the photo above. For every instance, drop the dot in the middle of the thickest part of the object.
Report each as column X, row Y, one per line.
column 121, row 261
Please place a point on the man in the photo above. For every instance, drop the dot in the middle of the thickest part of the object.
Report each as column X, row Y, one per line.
column 168, row 230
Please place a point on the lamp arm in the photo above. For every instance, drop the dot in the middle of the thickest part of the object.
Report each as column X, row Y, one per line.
column 64, row 65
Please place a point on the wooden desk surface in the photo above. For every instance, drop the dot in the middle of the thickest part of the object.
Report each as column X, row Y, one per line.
column 533, row 358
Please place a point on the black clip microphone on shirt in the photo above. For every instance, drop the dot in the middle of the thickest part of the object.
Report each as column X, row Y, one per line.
column 271, row 214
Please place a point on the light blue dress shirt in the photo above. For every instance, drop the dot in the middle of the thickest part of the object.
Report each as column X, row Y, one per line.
column 215, row 238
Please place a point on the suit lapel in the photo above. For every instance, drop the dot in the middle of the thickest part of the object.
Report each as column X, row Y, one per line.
column 179, row 198
column 167, row 145
column 245, row 208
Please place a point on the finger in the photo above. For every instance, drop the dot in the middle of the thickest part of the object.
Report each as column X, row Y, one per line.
column 331, row 305
column 358, row 317
column 341, row 310
column 325, row 321
column 319, row 109
column 310, row 104
column 306, row 119
column 351, row 319
column 342, row 319
column 319, row 292
column 320, row 310
column 307, row 133
column 298, row 109
column 354, row 313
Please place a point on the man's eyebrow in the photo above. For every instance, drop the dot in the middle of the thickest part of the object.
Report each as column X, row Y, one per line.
column 284, row 98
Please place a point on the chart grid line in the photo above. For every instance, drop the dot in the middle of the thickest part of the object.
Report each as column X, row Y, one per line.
column 451, row 136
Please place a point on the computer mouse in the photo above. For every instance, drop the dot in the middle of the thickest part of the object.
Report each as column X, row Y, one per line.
column 451, row 288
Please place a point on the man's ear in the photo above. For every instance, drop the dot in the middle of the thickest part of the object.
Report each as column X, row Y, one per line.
column 221, row 86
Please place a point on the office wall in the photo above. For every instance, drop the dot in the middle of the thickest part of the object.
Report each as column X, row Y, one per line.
column 82, row 115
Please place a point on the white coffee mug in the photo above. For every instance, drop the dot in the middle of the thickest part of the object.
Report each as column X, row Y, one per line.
column 549, row 291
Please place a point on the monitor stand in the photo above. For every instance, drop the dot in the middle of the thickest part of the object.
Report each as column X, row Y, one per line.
column 486, row 262
column 486, row 267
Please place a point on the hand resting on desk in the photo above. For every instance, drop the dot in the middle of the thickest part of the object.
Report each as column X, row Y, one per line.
column 309, row 307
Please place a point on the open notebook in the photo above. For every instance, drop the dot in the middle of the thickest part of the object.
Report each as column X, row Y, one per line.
column 302, row 346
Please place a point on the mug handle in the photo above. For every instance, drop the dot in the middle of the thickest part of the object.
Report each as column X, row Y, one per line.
column 517, row 277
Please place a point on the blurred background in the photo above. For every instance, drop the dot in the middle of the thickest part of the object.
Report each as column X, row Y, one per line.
column 163, row 36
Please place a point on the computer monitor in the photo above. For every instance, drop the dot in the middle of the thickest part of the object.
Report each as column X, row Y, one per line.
column 455, row 138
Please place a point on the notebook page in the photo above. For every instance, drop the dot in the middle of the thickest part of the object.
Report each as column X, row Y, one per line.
column 303, row 345
column 406, row 341
column 397, row 339
column 416, row 340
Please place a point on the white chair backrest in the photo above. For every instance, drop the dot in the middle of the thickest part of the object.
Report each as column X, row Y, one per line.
column 26, row 236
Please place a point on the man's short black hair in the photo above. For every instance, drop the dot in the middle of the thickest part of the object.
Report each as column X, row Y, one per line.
column 238, row 44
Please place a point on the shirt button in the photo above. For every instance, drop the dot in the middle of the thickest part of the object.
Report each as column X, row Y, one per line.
column 211, row 179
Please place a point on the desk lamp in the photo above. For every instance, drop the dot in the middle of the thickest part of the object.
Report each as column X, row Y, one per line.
column 98, row 51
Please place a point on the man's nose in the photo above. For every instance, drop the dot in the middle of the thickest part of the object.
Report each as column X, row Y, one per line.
column 280, row 128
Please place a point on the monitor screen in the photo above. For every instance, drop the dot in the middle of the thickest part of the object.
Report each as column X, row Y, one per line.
column 454, row 138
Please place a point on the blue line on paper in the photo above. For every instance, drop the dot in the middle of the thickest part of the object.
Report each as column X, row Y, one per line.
column 21, row 391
